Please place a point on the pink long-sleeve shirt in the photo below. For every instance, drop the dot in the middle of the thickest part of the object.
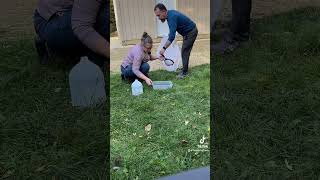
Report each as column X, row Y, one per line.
column 136, row 57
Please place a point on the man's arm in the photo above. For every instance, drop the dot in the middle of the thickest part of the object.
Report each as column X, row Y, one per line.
column 167, row 44
column 173, row 28
column 84, row 14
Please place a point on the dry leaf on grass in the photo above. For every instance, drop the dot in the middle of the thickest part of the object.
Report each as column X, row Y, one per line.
column 270, row 164
column 57, row 90
column 288, row 165
column 184, row 142
column 147, row 128
column 41, row 168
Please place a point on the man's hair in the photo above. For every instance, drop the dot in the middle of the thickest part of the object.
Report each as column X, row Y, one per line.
column 160, row 6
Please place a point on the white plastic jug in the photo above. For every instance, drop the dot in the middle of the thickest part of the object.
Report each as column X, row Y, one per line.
column 172, row 52
column 87, row 85
column 136, row 88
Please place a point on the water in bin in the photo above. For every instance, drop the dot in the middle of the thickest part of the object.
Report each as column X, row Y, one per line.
column 87, row 85
column 172, row 52
column 161, row 85
column 136, row 88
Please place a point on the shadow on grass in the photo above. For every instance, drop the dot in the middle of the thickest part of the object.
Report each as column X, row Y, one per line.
column 42, row 135
column 266, row 99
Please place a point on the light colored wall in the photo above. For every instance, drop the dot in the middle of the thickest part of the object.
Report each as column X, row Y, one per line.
column 133, row 17
column 198, row 11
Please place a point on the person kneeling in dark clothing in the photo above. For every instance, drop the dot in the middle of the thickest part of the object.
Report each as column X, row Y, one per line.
column 73, row 28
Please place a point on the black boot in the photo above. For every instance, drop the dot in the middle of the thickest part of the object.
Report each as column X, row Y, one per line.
column 228, row 44
column 182, row 74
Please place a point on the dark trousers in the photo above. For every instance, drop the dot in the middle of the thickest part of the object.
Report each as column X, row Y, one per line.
column 128, row 73
column 188, row 41
column 58, row 35
column 240, row 25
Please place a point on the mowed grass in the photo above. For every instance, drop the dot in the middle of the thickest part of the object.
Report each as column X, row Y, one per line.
column 179, row 118
column 41, row 135
column 266, row 101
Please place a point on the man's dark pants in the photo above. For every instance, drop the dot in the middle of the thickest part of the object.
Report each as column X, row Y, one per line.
column 188, row 41
column 240, row 25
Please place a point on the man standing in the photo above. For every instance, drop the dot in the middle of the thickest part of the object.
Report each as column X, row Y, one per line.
column 240, row 27
column 180, row 23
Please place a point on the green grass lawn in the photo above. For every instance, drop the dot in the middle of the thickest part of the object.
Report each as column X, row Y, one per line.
column 41, row 135
column 266, row 101
column 179, row 118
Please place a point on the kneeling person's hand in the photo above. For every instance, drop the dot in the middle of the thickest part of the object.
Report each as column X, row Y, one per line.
column 148, row 81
